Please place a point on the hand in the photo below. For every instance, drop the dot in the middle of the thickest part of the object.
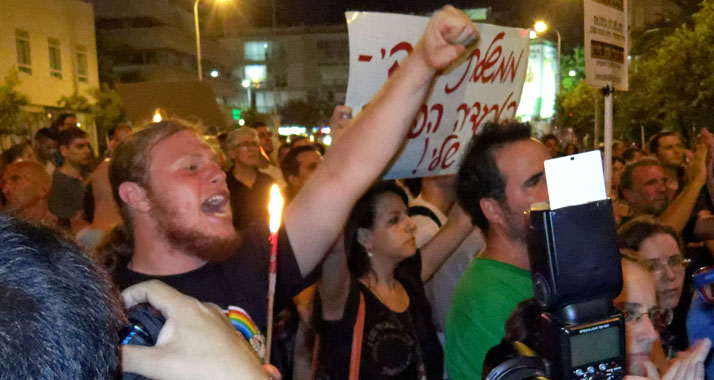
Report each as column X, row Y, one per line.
column 688, row 365
column 697, row 169
column 445, row 37
column 339, row 121
column 197, row 341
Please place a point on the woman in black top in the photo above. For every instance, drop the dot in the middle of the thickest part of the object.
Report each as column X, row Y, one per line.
column 379, row 260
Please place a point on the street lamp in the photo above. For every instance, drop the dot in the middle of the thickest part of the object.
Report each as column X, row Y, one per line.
column 198, row 37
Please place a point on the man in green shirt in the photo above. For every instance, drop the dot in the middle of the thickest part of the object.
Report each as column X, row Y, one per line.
column 501, row 176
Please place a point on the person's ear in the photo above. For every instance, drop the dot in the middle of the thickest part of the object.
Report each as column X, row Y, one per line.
column 364, row 238
column 134, row 195
column 493, row 211
column 294, row 180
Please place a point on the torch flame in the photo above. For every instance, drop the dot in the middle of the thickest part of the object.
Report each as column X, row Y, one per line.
column 157, row 117
column 275, row 208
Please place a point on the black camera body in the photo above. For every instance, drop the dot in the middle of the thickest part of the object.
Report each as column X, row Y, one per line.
column 576, row 273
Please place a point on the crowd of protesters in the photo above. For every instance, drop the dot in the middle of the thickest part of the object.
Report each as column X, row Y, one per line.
column 412, row 279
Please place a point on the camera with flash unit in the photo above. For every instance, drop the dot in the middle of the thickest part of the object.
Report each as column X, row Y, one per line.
column 575, row 332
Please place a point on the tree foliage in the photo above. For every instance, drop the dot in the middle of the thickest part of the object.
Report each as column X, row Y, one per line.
column 673, row 87
column 13, row 116
column 107, row 108
column 576, row 109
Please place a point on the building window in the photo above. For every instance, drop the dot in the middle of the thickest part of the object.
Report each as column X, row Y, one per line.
column 255, row 73
column 55, row 58
column 256, row 51
column 82, row 64
column 22, row 42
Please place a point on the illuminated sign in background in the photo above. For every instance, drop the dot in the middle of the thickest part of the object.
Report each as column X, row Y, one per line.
column 540, row 87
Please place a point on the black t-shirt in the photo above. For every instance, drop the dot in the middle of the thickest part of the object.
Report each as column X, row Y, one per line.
column 388, row 345
column 249, row 203
column 239, row 285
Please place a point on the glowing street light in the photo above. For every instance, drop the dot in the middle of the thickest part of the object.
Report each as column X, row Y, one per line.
column 198, row 37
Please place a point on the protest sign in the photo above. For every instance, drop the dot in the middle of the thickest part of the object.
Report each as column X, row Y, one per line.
column 606, row 43
column 484, row 84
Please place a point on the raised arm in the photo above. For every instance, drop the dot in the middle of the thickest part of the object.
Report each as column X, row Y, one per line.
column 678, row 212
column 437, row 250
column 317, row 214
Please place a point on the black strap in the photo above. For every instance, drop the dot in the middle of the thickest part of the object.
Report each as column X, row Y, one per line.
column 424, row 211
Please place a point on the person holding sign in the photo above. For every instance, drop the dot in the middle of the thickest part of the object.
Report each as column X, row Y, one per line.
column 177, row 222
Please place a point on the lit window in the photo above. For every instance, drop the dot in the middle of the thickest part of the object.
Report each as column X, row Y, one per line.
column 22, row 42
column 82, row 63
column 55, row 58
column 256, row 51
column 255, row 73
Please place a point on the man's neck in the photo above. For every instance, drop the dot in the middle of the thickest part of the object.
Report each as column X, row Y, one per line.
column 153, row 255
column 500, row 247
column 38, row 212
column 71, row 170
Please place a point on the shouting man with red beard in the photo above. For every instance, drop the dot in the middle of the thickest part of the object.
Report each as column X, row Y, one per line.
column 175, row 203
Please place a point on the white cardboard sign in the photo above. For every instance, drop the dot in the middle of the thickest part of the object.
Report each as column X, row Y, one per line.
column 606, row 43
column 483, row 85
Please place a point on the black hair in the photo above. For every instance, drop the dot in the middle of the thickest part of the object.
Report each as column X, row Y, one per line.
column 45, row 134
column 654, row 140
column 549, row 136
column 631, row 234
column 59, row 317
column 70, row 134
column 290, row 166
column 630, row 152
column 362, row 216
column 258, row 124
column 59, row 121
column 479, row 176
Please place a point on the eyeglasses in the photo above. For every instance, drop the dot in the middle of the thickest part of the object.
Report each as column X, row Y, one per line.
column 657, row 267
column 704, row 283
column 661, row 317
column 247, row 144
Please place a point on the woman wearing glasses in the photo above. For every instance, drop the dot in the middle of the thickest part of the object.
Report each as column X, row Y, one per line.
column 659, row 250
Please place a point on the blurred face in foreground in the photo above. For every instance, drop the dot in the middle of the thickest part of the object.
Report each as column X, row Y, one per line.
column 637, row 298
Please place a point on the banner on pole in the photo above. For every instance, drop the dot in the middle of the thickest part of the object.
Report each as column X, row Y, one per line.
column 484, row 84
column 606, row 43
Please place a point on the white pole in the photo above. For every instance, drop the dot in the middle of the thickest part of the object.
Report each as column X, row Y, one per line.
column 596, row 127
column 608, row 135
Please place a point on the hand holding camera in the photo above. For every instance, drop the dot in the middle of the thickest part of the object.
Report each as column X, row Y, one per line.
column 196, row 342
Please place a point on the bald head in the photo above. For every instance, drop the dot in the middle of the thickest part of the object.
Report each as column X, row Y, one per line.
column 25, row 183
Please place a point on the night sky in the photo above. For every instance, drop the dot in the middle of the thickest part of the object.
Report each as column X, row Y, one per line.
column 565, row 15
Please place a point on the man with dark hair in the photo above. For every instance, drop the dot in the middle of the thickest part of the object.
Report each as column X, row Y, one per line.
column 64, row 121
column 298, row 166
column 59, row 318
column 669, row 148
column 114, row 136
column 67, row 194
column 45, row 145
column 265, row 135
column 501, row 175
column 551, row 142
column 175, row 203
